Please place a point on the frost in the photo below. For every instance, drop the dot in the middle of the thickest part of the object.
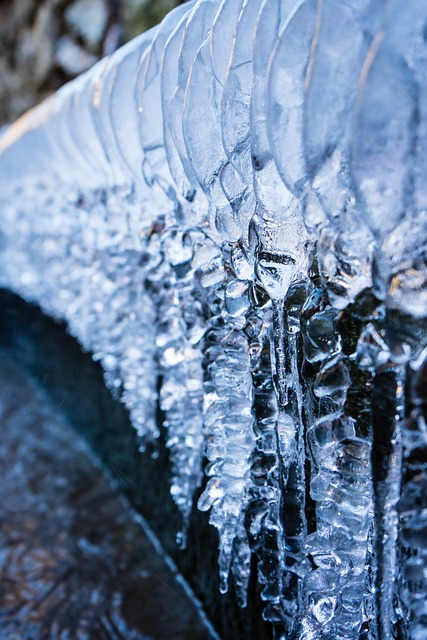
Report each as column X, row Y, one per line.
column 230, row 214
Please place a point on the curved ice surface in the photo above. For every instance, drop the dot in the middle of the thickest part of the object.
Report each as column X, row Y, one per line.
column 345, row 32
column 387, row 151
column 195, row 30
column 148, row 100
column 230, row 214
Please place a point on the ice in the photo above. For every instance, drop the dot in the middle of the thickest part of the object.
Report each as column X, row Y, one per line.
column 202, row 118
column 168, row 85
column 288, row 73
column 195, row 31
column 384, row 163
column 273, row 196
column 344, row 34
column 412, row 518
column 117, row 114
column 148, row 100
column 391, row 104
column 181, row 395
column 230, row 214
column 228, row 402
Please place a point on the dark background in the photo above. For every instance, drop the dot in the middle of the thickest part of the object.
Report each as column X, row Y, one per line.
column 45, row 43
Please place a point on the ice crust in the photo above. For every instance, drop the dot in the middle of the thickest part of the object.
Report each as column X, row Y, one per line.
column 234, row 204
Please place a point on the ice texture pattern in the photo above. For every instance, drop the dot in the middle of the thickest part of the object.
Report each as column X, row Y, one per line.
column 230, row 214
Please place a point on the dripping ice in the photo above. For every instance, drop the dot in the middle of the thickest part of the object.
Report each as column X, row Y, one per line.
column 234, row 204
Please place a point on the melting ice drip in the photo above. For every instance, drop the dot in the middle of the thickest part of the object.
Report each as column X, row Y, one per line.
column 235, row 203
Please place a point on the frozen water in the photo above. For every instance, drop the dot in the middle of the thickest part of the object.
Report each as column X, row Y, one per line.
column 230, row 214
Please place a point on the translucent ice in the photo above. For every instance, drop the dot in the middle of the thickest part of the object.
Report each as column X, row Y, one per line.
column 230, row 214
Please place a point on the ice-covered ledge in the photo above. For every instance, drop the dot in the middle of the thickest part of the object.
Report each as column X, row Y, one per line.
column 234, row 204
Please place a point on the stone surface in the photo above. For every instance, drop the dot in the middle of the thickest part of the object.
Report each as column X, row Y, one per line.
column 74, row 563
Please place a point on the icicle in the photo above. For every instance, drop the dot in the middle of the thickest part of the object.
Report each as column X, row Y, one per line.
column 180, row 328
column 386, row 469
column 162, row 204
column 229, row 423
column 267, row 473
column 412, row 504
column 335, row 593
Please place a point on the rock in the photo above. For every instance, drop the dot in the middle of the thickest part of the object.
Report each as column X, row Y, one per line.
column 88, row 19
column 75, row 562
column 72, row 58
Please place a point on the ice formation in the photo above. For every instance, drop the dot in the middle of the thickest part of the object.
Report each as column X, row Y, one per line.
column 234, row 204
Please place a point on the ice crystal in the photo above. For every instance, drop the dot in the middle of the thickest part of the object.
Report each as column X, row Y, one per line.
column 230, row 214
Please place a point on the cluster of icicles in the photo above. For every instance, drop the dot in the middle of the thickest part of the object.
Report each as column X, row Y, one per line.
column 234, row 203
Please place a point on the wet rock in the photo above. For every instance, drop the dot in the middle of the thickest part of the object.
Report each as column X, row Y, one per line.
column 74, row 563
